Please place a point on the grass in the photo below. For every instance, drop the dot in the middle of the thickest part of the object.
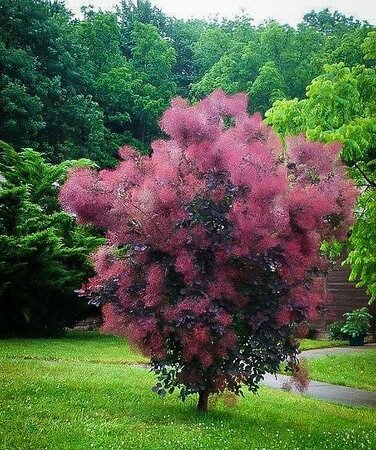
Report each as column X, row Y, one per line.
column 356, row 370
column 88, row 346
column 93, row 346
column 63, row 394
column 312, row 344
column 81, row 405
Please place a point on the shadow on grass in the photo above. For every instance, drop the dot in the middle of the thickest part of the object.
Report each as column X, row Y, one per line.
column 157, row 412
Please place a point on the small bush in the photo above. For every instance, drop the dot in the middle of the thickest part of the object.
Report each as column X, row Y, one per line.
column 358, row 323
column 336, row 333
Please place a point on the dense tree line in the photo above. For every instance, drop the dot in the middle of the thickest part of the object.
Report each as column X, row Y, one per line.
column 74, row 88
column 82, row 87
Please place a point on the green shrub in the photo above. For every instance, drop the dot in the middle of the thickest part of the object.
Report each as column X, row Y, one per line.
column 358, row 323
column 335, row 331
column 43, row 253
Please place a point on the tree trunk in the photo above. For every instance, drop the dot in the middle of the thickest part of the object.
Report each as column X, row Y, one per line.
column 203, row 401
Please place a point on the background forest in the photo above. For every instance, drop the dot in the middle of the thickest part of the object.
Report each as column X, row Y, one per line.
column 79, row 88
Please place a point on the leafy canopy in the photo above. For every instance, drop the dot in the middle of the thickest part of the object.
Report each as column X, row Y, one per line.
column 340, row 106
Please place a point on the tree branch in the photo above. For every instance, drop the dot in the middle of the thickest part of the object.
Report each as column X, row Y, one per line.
column 369, row 181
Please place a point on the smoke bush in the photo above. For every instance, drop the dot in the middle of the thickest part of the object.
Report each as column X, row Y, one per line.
column 212, row 256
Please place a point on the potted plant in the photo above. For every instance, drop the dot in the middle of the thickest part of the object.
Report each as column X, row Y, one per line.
column 357, row 325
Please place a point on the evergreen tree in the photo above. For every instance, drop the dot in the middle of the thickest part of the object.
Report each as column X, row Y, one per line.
column 43, row 253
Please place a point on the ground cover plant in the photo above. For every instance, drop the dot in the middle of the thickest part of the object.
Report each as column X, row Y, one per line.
column 60, row 404
column 212, row 259
column 354, row 370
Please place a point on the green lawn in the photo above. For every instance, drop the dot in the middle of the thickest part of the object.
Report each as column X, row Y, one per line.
column 64, row 394
column 355, row 370
column 81, row 405
column 312, row 344
column 96, row 347
column 74, row 346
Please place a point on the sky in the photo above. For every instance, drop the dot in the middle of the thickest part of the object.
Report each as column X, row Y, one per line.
column 288, row 11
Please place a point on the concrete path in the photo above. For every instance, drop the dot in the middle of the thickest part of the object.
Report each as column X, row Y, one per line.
column 317, row 389
column 318, row 353
column 326, row 391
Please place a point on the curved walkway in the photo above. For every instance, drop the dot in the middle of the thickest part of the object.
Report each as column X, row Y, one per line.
column 326, row 391
column 317, row 353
